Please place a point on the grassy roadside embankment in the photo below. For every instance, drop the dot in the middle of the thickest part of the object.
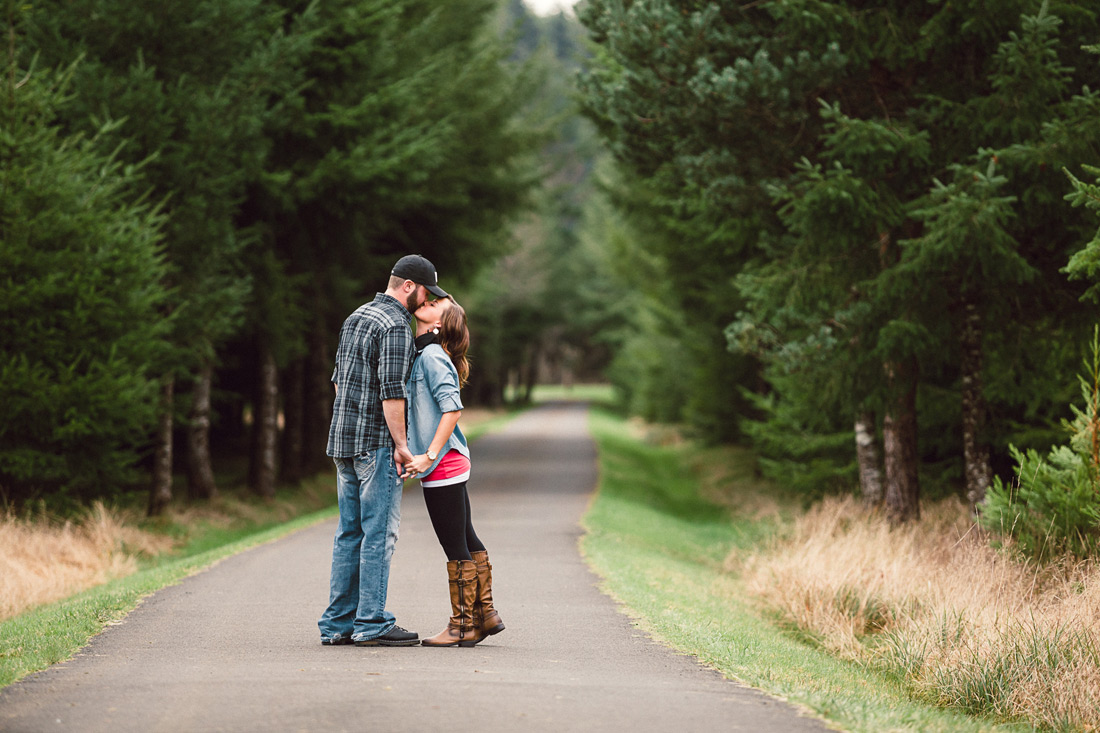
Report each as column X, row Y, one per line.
column 93, row 573
column 52, row 633
column 965, row 625
column 674, row 560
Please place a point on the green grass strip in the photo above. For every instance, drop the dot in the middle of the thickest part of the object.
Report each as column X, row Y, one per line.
column 662, row 553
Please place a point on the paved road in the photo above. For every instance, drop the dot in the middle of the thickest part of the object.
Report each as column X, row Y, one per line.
column 235, row 648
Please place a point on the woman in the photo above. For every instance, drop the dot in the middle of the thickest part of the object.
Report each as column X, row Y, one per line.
column 441, row 460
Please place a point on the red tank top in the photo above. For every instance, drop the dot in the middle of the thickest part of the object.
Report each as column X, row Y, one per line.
column 453, row 468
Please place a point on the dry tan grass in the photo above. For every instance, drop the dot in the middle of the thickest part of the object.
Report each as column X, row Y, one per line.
column 43, row 561
column 966, row 624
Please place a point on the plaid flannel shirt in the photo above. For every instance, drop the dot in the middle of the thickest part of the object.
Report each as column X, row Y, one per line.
column 372, row 361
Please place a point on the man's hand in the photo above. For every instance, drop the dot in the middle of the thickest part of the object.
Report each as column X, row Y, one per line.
column 401, row 456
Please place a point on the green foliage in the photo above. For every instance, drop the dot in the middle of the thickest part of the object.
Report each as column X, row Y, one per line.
column 1053, row 506
column 707, row 98
column 285, row 154
column 965, row 230
column 796, row 447
column 1085, row 263
column 866, row 176
column 408, row 133
column 820, row 312
column 190, row 85
column 702, row 107
column 548, row 311
column 80, row 303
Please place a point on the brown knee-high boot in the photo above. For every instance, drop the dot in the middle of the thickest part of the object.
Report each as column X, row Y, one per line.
column 460, row 631
column 486, row 618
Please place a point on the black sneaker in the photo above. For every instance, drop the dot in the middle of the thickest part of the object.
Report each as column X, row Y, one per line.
column 338, row 641
column 396, row 636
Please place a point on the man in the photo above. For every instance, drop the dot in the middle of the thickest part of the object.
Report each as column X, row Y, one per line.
column 367, row 442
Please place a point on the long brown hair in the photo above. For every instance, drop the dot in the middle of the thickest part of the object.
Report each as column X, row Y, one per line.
column 454, row 337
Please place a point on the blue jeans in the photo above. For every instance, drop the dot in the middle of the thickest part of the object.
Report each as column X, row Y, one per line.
column 370, row 511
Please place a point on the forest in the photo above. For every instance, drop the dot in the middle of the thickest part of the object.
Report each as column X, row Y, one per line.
column 193, row 198
column 868, row 230
column 860, row 238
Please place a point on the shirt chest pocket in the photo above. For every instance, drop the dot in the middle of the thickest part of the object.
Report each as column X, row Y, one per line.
column 418, row 384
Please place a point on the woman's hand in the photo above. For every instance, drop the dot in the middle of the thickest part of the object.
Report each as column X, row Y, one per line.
column 418, row 464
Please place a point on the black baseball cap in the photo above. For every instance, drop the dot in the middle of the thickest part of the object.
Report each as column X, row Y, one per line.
column 420, row 271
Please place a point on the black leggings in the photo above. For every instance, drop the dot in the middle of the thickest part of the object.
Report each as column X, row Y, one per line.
column 449, row 508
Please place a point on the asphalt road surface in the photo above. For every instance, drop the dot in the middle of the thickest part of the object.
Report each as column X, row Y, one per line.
column 236, row 647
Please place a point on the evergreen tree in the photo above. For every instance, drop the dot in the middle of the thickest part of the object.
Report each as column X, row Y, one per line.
column 703, row 105
column 1086, row 262
column 1051, row 506
column 295, row 151
column 190, row 85
column 1079, row 129
column 80, row 299
column 985, row 237
column 403, row 138
column 813, row 311
column 867, row 281
column 534, row 313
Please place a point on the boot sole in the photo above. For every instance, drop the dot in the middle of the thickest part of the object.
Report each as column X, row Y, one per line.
column 466, row 644
column 376, row 642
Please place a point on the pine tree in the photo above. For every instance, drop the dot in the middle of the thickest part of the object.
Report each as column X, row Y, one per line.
column 815, row 296
column 967, row 250
column 861, row 275
column 703, row 105
column 1051, row 506
column 403, row 139
column 190, row 85
column 1079, row 130
column 80, row 298
column 1086, row 262
column 976, row 233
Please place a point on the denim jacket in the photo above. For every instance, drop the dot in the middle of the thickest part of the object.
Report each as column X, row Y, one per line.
column 433, row 390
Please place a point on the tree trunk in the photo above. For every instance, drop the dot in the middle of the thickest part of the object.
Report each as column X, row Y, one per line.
column 979, row 471
column 200, row 471
column 495, row 394
column 318, row 401
column 293, row 406
column 530, row 374
column 868, row 459
column 160, row 490
column 265, row 425
column 899, row 433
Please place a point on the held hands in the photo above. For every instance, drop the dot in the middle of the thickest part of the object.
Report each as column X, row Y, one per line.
column 418, row 464
column 401, row 457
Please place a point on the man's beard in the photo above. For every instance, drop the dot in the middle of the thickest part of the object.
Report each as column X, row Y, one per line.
column 410, row 301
